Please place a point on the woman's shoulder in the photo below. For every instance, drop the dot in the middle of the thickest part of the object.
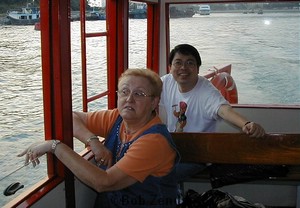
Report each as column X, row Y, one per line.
column 104, row 116
column 103, row 113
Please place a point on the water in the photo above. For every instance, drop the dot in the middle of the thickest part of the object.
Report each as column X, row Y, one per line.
column 263, row 50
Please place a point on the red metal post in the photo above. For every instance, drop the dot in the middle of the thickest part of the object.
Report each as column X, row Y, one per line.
column 56, row 66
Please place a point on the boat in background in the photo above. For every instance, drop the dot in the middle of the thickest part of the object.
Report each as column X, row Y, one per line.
column 28, row 15
column 252, row 11
column 180, row 13
column 96, row 15
column 204, row 10
column 137, row 10
column 260, row 11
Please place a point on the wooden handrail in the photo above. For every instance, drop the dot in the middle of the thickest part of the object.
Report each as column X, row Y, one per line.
column 238, row 148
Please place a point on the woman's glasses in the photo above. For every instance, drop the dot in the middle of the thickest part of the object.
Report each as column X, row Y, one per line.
column 137, row 95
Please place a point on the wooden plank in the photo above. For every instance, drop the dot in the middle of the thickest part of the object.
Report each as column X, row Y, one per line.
column 238, row 148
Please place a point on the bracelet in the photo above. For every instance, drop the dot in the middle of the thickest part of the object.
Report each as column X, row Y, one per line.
column 90, row 139
column 54, row 144
column 247, row 123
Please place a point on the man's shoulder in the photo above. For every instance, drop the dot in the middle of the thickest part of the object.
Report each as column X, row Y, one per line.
column 168, row 82
column 204, row 82
column 167, row 78
column 203, row 79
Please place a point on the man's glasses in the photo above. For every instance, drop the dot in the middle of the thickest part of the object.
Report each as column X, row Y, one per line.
column 137, row 95
column 188, row 64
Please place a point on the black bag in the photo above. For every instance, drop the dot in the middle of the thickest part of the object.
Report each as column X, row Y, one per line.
column 227, row 174
column 215, row 199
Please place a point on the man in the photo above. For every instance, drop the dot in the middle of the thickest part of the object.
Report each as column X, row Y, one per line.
column 184, row 91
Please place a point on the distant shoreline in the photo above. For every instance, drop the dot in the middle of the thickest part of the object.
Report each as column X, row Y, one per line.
column 75, row 14
column 255, row 11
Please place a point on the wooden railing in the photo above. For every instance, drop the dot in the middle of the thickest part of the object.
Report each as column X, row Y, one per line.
column 239, row 148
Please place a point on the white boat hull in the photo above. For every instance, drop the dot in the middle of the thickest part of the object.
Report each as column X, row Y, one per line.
column 14, row 21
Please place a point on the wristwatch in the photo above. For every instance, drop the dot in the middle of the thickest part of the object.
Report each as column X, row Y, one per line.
column 87, row 143
column 54, row 144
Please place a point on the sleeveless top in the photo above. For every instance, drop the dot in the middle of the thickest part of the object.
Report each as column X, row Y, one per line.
column 158, row 192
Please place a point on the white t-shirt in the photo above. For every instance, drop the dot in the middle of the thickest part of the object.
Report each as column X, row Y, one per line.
column 199, row 106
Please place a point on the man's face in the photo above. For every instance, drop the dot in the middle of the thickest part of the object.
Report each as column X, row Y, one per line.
column 184, row 69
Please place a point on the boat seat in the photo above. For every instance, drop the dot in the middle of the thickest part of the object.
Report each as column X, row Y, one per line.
column 239, row 148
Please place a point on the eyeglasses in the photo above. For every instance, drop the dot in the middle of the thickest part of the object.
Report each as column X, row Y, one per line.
column 137, row 95
column 188, row 64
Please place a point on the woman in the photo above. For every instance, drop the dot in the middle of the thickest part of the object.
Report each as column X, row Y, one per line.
column 138, row 156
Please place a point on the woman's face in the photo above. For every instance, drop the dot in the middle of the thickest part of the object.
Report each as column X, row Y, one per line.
column 135, row 101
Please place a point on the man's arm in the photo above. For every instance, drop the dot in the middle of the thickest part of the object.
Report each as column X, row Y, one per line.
column 163, row 114
column 229, row 114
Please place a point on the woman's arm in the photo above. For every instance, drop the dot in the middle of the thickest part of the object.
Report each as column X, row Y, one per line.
column 80, row 131
column 102, row 155
column 98, row 179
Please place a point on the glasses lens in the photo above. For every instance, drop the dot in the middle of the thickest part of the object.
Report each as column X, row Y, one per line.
column 137, row 95
column 188, row 64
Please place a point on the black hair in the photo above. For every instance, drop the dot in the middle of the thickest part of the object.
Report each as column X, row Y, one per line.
column 185, row 49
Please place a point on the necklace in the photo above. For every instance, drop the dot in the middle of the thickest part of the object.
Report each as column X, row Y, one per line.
column 122, row 146
column 119, row 144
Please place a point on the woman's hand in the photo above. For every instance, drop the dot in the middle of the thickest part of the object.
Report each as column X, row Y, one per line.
column 102, row 155
column 253, row 129
column 36, row 150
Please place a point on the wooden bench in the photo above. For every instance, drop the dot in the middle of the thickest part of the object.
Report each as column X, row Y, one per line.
column 239, row 148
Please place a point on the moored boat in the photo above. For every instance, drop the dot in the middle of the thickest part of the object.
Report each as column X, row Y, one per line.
column 260, row 11
column 181, row 13
column 204, row 9
column 61, row 189
column 96, row 15
column 28, row 15
column 137, row 10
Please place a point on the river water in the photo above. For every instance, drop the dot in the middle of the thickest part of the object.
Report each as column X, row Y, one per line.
column 263, row 50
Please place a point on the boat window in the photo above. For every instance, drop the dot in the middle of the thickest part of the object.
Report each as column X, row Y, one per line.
column 21, row 114
column 22, row 104
column 137, row 35
column 96, row 64
column 17, row 172
column 258, row 39
column 89, row 52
